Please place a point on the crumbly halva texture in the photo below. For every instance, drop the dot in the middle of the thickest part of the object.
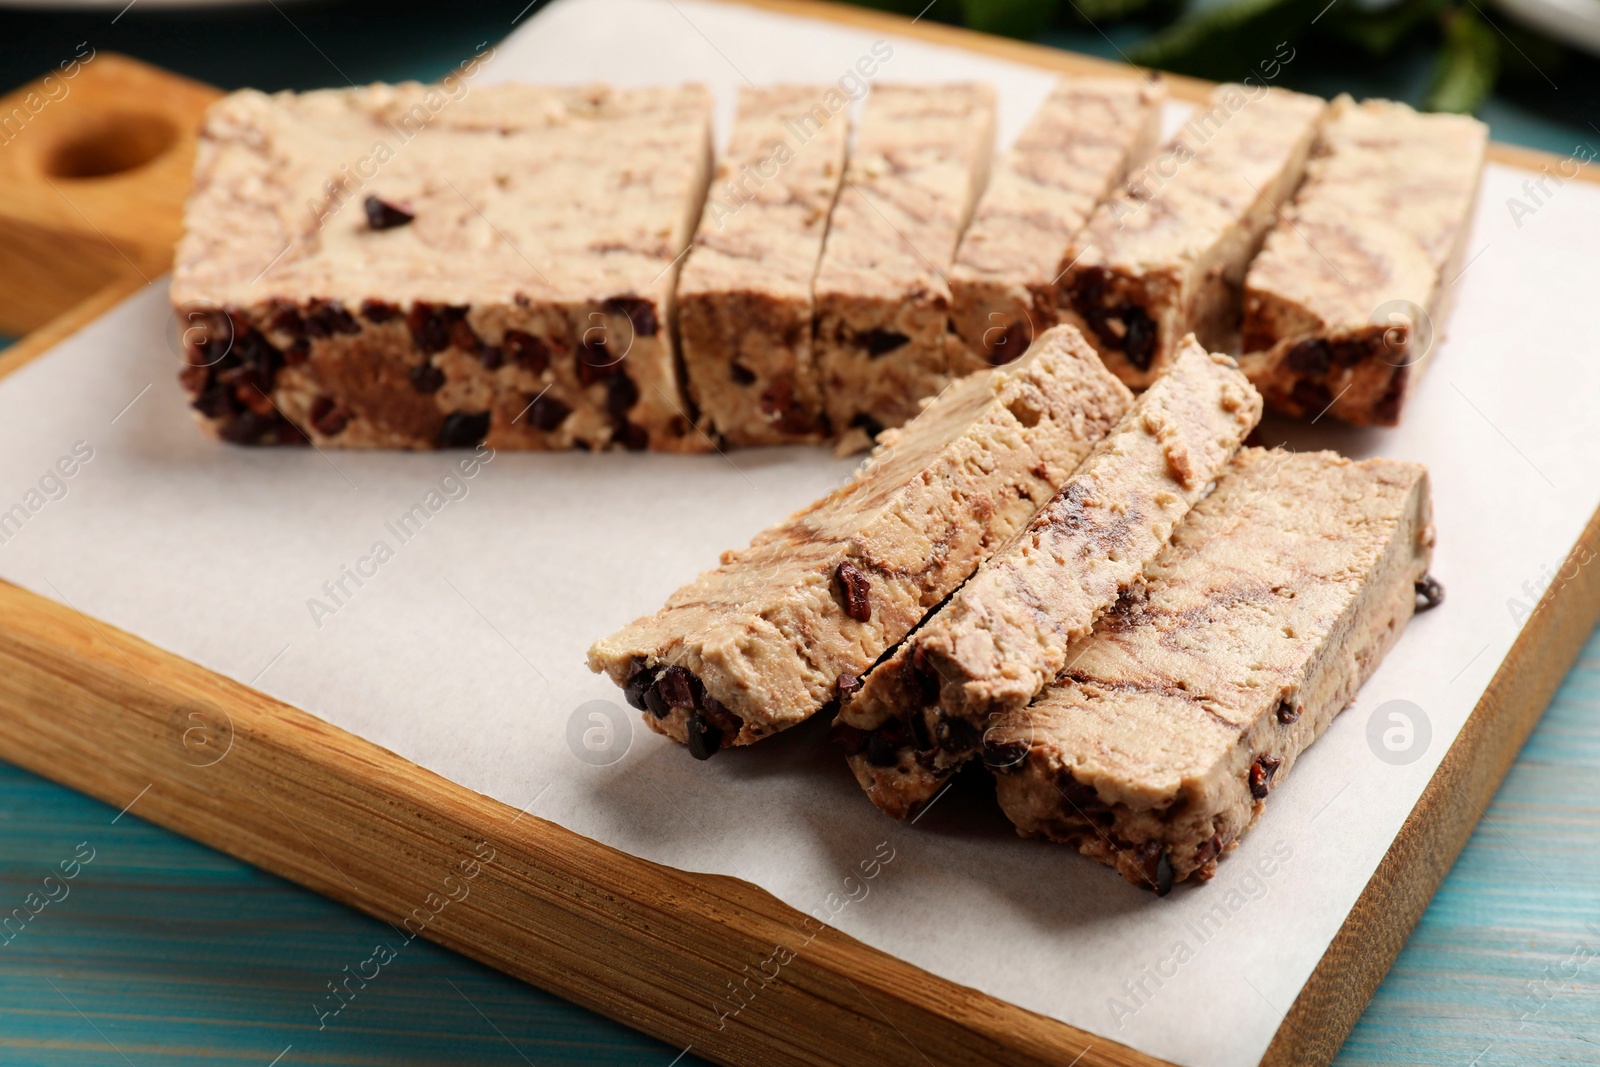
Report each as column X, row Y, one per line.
column 410, row 266
column 782, row 628
column 919, row 162
column 1189, row 704
column 1004, row 636
column 744, row 298
column 1167, row 254
column 1350, row 293
column 1075, row 150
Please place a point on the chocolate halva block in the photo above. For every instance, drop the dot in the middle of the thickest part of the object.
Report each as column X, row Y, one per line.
column 1167, row 253
column 919, row 162
column 784, row 627
column 1349, row 296
column 1004, row 635
column 1076, row 149
column 409, row 266
column 1188, row 706
column 744, row 297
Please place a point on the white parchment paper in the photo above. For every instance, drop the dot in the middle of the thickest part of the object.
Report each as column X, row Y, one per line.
column 462, row 649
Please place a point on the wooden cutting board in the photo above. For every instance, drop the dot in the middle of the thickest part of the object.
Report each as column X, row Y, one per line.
column 95, row 166
column 113, row 716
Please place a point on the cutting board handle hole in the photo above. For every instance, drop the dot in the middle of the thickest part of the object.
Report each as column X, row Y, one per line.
column 110, row 144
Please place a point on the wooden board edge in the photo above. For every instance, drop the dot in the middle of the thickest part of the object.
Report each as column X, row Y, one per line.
column 1438, row 827
column 1046, row 57
column 658, row 949
column 66, row 324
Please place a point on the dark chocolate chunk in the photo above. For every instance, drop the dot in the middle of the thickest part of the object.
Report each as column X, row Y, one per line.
column 378, row 311
column 1164, row 874
column 714, row 712
column 621, row 395
column 433, row 325
column 640, row 679
column 920, row 678
column 1386, row 412
column 594, row 361
column 956, row 735
column 882, row 752
column 1288, row 712
column 871, row 426
column 463, row 429
column 1155, row 869
column 1430, row 593
column 676, row 687
column 654, row 704
column 1350, row 353
column 1138, row 342
column 547, row 413
column 850, row 738
column 917, row 724
column 426, row 378
column 527, row 351
column 881, row 342
column 1004, row 757
column 286, row 319
column 634, row 438
column 328, row 317
column 1312, row 397
column 463, row 336
column 778, row 402
column 1311, row 358
column 216, row 402
column 741, row 374
column 327, row 417
column 491, row 357
column 1261, row 772
column 248, row 428
column 854, row 591
column 254, row 351
column 849, row 685
column 704, row 739
column 640, row 312
column 1123, row 326
column 382, row 215
column 1010, row 345
column 1208, row 850
column 296, row 354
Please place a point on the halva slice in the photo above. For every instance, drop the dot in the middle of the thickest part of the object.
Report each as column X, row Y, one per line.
column 1188, row 706
column 1167, row 254
column 782, row 628
column 415, row 266
column 920, row 159
column 744, row 298
column 1350, row 293
column 1075, row 150
column 1005, row 635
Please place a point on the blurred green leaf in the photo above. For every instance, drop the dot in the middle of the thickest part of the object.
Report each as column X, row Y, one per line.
column 1228, row 40
column 1377, row 32
column 1009, row 18
column 1465, row 68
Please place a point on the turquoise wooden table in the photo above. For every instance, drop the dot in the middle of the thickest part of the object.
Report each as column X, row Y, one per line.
column 163, row 952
